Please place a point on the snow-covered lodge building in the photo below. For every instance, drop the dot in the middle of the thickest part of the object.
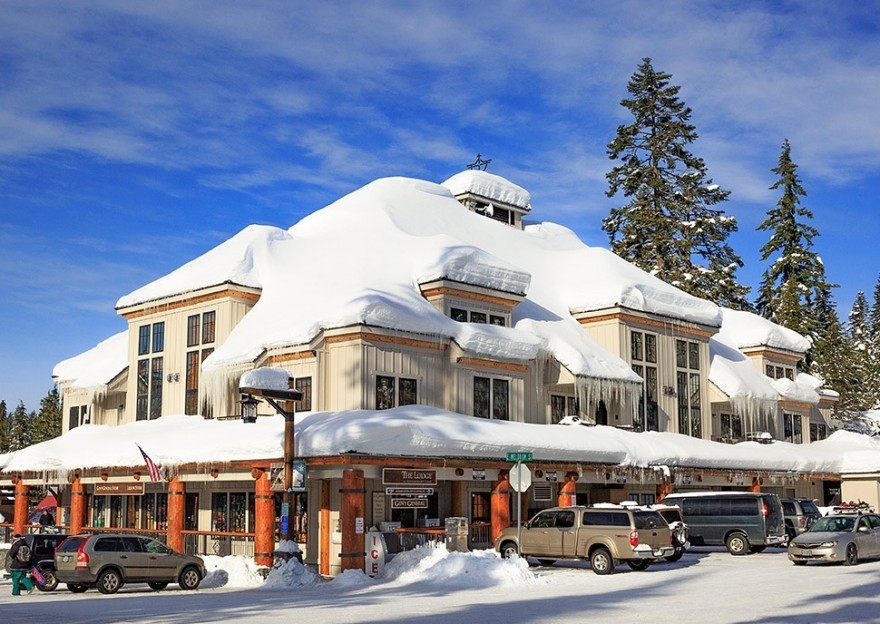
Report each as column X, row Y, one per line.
column 442, row 304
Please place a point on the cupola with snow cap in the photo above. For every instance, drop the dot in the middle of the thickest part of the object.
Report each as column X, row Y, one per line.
column 490, row 195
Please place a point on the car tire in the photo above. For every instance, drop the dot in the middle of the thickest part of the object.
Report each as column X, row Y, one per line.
column 77, row 588
column 852, row 555
column 601, row 561
column 737, row 544
column 109, row 582
column 189, row 578
column 638, row 564
column 51, row 581
column 158, row 585
column 508, row 550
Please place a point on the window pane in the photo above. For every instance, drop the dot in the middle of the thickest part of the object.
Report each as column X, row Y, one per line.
column 650, row 348
column 768, row 370
column 158, row 337
column 458, row 314
column 156, row 388
column 304, row 385
column 725, row 425
column 143, row 389
column 208, row 327
column 737, row 426
column 481, row 397
column 789, row 374
column 500, row 399
column 384, row 392
column 494, row 319
column 238, row 512
column 191, row 402
column 219, row 511
column 557, row 408
column 694, row 355
column 408, row 392
column 478, row 317
column 143, row 339
column 572, row 406
column 652, row 414
column 681, row 354
column 636, row 346
column 192, row 330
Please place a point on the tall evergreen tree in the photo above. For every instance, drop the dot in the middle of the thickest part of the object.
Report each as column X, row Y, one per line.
column 669, row 226
column 47, row 424
column 859, row 362
column 20, row 429
column 831, row 356
column 794, row 281
column 4, row 428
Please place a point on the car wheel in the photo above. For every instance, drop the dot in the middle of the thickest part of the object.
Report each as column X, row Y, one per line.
column 737, row 544
column 51, row 581
column 190, row 578
column 601, row 561
column 508, row 550
column 158, row 585
column 674, row 556
column 76, row 588
column 109, row 582
column 852, row 555
column 638, row 564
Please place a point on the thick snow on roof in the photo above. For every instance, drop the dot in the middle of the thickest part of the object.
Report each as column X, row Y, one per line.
column 97, row 366
column 490, row 186
column 361, row 259
column 744, row 330
column 750, row 391
column 419, row 431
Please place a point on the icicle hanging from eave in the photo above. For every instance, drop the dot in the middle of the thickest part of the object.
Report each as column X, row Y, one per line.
column 615, row 392
column 218, row 387
column 753, row 408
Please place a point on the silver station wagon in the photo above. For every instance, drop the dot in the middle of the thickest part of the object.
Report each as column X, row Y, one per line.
column 841, row 537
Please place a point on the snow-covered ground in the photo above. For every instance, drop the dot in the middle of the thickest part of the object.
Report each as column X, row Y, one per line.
column 432, row 585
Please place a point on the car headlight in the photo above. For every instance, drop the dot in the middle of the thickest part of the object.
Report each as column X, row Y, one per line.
column 830, row 544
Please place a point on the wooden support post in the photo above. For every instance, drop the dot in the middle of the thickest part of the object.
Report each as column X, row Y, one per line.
column 352, row 520
column 176, row 513
column 77, row 506
column 663, row 490
column 757, row 482
column 22, row 503
column 500, row 504
column 456, row 501
column 324, row 530
column 264, row 520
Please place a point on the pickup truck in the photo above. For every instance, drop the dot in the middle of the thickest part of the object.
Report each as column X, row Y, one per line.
column 603, row 534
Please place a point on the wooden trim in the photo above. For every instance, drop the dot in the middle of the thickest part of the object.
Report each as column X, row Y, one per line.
column 772, row 355
column 291, row 357
column 369, row 337
column 188, row 302
column 506, row 366
column 448, row 291
column 795, row 405
column 678, row 327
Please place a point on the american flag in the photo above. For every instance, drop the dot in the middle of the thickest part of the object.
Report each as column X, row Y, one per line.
column 152, row 468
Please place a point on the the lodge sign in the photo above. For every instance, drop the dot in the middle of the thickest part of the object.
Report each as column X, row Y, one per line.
column 408, row 476
column 132, row 489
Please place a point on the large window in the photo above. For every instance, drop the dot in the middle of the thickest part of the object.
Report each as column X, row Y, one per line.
column 643, row 353
column 562, row 406
column 793, row 428
column 199, row 331
column 731, row 427
column 492, row 398
column 304, row 385
column 148, row 403
column 687, row 360
column 818, row 431
column 395, row 391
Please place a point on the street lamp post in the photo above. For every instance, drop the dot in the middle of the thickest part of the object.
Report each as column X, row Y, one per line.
column 276, row 398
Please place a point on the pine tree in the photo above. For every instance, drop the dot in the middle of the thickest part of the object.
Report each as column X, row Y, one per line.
column 669, row 227
column 20, row 429
column 831, row 357
column 47, row 423
column 860, row 359
column 4, row 428
column 794, row 281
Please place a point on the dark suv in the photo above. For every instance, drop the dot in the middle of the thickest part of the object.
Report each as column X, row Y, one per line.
column 110, row 560
column 800, row 514
column 43, row 547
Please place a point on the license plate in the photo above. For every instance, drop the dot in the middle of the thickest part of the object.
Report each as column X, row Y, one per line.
column 806, row 553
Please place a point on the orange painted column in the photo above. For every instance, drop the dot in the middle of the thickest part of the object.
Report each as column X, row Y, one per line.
column 352, row 520
column 77, row 506
column 499, row 503
column 567, row 491
column 324, row 530
column 176, row 513
column 757, row 482
column 264, row 519
column 20, row 513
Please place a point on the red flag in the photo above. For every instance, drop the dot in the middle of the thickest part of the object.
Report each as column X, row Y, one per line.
column 152, row 468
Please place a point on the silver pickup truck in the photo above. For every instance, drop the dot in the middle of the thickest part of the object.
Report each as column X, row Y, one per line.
column 603, row 534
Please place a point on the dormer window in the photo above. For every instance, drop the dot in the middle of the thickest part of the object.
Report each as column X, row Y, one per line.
column 474, row 316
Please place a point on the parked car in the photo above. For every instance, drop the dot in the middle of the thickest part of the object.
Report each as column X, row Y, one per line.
column 800, row 514
column 43, row 547
column 110, row 560
column 744, row 522
column 841, row 537
column 605, row 535
column 678, row 527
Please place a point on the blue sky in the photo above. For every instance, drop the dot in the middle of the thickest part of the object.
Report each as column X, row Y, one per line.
column 135, row 136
